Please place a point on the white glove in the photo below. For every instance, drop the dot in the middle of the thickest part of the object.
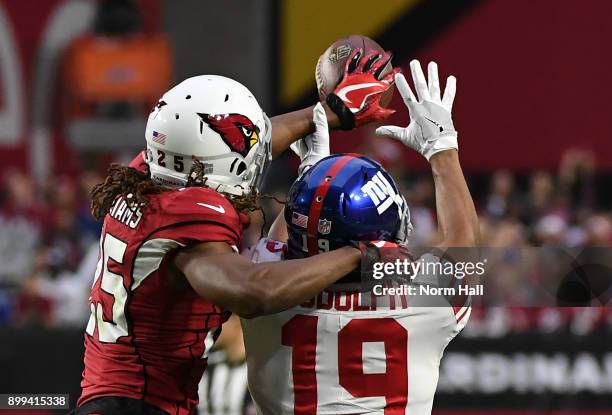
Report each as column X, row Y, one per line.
column 431, row 127
column 315, row 146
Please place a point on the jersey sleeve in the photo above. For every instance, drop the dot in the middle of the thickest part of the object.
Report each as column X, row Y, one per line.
column 196, row 215
column 460, row 303
column 139, row 162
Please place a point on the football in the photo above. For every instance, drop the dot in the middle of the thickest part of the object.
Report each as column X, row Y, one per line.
column 331, row 63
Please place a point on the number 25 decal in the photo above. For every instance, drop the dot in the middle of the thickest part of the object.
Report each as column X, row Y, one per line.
column 179, row 165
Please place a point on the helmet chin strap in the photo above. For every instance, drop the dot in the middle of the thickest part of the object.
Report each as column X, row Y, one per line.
column 226, row 189
column 166, row 177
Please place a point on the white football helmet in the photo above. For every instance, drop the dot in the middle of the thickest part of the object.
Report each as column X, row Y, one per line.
column 217, row 121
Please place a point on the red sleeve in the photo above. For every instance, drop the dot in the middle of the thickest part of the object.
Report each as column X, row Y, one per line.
column 139, row 163
column 198, row 215
column 193, row 233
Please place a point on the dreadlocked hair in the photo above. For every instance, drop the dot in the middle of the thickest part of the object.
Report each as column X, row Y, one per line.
column 135, row 185
column 124, row 181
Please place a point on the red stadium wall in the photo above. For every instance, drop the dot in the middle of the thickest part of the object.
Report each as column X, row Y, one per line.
column 533, row 80
column 22, row 37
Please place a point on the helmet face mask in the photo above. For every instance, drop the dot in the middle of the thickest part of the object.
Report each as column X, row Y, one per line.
column 361, row 202
column 216, row 121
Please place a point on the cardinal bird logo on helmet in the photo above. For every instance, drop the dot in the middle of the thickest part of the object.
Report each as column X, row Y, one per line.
column 236, row 130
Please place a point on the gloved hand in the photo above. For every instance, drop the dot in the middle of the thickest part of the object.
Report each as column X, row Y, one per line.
column 378, row 252
column 431, row 128
column 356, row 99
column 315, row 146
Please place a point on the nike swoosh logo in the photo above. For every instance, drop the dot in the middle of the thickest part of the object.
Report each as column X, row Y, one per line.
column 438, row 125
column 218, row 208
column 350, row 88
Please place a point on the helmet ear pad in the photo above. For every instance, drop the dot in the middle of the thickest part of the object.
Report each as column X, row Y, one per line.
column 361, row 203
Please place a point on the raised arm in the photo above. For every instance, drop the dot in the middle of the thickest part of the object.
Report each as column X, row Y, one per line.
column 235, row 283
column 457, row 220
column 278, row 229
column 431, row 133
column 362, row 79
column 310, row 149
column 290, row 127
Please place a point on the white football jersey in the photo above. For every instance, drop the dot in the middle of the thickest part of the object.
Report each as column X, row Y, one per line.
column 346, row 352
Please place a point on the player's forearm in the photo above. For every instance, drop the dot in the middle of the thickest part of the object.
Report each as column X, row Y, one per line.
column 278, row 229
column 457, row 219
column 251, row 290
column 290, row 127
column 289, row 283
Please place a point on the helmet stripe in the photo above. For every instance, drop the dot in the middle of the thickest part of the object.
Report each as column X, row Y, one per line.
column 317, row 202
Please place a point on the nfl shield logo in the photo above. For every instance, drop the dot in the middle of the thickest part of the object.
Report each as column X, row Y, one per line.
column 324, row 226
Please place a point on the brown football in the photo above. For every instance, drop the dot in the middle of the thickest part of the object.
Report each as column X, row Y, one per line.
column 331, row 63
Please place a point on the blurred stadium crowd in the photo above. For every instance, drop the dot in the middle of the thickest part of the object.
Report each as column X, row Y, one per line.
column 48, row 246
column 48, row 243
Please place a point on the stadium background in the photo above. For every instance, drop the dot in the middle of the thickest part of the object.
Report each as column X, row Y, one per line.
column 77, row 78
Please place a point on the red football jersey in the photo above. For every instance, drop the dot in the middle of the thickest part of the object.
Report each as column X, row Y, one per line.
column 146, row 338
column 139, row 162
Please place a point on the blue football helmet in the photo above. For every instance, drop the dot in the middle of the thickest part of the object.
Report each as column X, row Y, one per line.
column 343, row 198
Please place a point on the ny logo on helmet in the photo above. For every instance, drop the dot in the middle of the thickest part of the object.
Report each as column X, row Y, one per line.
column 236, row 130
column 382, row 193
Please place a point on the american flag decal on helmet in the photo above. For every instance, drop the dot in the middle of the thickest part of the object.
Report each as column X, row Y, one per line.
column 159, row 137
column 299, row 220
